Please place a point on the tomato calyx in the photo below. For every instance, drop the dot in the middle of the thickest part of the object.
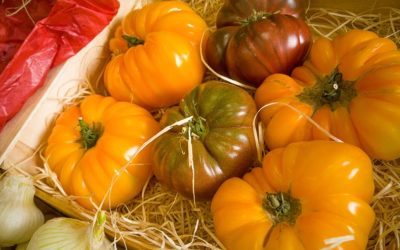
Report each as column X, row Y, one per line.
column 255, row 17
column 132, row 41
column 282, row 207
column 198, row 127
column 331, row 90
column 89, row 134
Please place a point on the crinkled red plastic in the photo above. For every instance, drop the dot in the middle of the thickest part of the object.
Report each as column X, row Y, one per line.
column 70, row 25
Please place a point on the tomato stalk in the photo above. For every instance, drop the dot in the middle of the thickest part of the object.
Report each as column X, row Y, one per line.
column 331, row 90
column 282, row 207
column 255, row 17
column 132, row 41
column 89, row 134
column 199, row 127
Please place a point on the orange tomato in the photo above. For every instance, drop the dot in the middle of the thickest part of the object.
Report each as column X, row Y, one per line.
column 349, row 85
column 306, row 196
column 160, row 60
column 91, row 146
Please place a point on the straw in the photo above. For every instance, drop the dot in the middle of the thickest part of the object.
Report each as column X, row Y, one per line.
column 15, row 10
column 161, row 218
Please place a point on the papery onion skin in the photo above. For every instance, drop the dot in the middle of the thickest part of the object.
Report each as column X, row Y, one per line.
column 19, row 215
column 22, row 246
column 66, row 233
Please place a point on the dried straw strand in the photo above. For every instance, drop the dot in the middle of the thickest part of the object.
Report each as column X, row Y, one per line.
column 330, row 22
column 15, row 10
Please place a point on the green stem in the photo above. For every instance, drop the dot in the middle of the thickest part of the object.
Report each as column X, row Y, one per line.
column 98, row 231
column 99, row 240
column 256, row 16
column 198, row 126
column 132, row 41
column 331, row 90
column 89, row 134
column 282, row 207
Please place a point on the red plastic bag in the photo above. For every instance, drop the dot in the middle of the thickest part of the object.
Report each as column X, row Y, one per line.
column 70, row 25
column 16, row 22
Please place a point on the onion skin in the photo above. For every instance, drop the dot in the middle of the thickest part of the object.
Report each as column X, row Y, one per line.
column 68, row 233
column 19, row 215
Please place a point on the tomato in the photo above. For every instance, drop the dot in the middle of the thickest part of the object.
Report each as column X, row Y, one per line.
column 91, row 145
column 221, row 138
column 233, row 13
column 157, row 53
column 252, row 41
column 349, row 86
column 306, row 196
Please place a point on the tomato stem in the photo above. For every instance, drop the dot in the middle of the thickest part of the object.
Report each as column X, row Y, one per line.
column 256, row 16
column 132, row 41
column 89, row 134
column 331, row 90
column 282, row 207
column 199, row 127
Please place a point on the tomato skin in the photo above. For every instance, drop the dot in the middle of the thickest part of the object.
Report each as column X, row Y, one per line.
column 162, row 62
column 333, row 183
column 252, row 41
column 233, row 13
column 276, row 44
column 222, row 140
column 89, row 172
column 215, row 48
column 363, row 111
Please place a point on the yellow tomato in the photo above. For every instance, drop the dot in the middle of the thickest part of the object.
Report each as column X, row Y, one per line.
column 306, row 196
column 160, row 60
column 91, row 149
column 349, row 85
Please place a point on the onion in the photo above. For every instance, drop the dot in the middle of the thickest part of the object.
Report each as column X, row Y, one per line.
column 19, row 215
column 68, row 233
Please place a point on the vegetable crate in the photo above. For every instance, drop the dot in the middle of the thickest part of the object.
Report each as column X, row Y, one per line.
column 158, row 217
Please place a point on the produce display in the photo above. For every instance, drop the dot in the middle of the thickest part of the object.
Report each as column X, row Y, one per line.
column 257, row 38
column 349, row 86
column 295, row 163
column 160, row 60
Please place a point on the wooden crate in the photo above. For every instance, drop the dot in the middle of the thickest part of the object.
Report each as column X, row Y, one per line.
column 24, row 135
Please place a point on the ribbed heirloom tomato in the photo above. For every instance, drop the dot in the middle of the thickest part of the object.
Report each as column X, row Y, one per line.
column 221, row 138
column 159, row 56
column 349, row 85
column 257, row 38
column 91, row 144
column 307, row 196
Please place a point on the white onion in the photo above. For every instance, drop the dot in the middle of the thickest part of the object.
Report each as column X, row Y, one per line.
column 68, row 233
column 19, row 215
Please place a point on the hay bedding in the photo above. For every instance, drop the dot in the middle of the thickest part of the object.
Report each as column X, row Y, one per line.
column 162, row 219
